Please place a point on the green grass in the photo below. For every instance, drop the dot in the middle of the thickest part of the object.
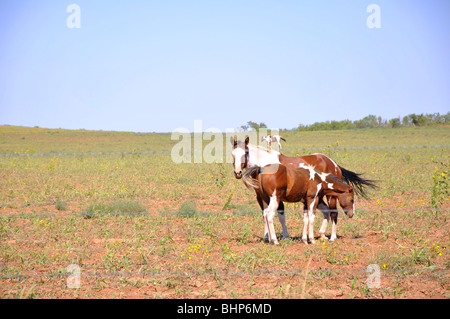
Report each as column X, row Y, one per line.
column 60, row 204
column 114, row 207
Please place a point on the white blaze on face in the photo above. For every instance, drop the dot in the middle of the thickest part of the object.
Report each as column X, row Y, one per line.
column 238, row 155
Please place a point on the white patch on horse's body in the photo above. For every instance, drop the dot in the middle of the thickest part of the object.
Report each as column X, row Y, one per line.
column 323, row 176
column 259, row 156
column 311, row 169
column 274, row 196
column 319, row 187
column 330, row 185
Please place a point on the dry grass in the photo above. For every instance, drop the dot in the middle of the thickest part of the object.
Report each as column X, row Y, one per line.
column 155, row 252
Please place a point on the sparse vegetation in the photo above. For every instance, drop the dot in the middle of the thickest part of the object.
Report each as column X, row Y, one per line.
column 114, row 207
column 43, row 228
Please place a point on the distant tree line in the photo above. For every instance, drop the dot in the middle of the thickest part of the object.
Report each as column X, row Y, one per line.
column 252, row 126
column 372, row 121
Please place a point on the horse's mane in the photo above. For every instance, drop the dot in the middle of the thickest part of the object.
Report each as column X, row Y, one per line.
column 262, row 148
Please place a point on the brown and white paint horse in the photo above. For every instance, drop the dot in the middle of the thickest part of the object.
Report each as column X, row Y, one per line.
column 259, row 157
column 275, row 183
column 246, row 156
column 273, row 138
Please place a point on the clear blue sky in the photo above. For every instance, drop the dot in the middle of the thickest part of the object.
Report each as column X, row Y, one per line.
column 149, row 66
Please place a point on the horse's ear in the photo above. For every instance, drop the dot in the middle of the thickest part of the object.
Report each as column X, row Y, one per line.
column 233, row 140
column 246, row 140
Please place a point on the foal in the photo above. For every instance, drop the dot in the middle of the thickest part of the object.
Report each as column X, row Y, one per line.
column 276, row 183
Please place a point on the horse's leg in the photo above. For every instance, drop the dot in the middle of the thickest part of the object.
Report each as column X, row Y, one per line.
column 311, row 218
column 305, row 225
column 261, row 204
column 334, row 216
column 269, row 214
column 326, row 218
column 282, row 219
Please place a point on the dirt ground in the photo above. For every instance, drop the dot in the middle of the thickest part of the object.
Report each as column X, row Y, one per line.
column 222, row 255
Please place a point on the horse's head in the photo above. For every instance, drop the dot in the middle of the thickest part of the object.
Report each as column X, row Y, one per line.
column 240, row 156
column 347, row 201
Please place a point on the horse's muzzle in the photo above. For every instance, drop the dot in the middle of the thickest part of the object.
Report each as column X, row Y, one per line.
column 238, row 175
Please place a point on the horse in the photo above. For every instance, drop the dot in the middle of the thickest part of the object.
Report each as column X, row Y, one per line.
column 261, row 157
column 272, row 138
column 275, row 183
column 246, row 155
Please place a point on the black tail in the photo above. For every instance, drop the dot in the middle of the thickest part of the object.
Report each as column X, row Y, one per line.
column 358, row 182
column 282, row 139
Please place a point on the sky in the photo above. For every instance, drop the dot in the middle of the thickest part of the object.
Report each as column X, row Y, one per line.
column 155, row 66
